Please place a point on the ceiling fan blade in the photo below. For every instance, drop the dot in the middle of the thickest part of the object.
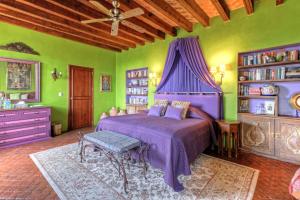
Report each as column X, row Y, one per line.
column 133, row 26
column 132, row 13
column 115, row 28
column 95, row 20
column 101, row 7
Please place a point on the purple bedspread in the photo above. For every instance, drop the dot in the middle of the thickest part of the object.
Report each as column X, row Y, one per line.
column 174, row 143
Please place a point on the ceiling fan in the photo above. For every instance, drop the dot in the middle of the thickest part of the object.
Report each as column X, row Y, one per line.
column 116, row 16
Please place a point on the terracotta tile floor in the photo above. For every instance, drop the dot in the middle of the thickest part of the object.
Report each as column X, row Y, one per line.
column 20, row 178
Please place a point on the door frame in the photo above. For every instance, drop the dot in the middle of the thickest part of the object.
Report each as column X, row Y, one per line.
column 70, row 66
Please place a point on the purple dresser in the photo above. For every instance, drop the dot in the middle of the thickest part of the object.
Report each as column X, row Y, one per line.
column 21, row 126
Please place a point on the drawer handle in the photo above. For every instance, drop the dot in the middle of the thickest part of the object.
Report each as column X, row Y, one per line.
column 31, row 113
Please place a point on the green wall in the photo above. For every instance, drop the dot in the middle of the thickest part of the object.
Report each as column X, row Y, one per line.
column 268, row 26
column 59, row 53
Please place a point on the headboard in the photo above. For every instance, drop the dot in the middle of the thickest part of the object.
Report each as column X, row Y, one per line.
column 211, row 103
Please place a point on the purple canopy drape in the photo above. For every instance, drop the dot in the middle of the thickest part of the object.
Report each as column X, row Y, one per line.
column 185, row 69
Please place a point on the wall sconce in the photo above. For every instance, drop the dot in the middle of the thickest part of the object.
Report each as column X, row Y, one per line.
column 153, row 78
column 218, row 73
column 56, row 75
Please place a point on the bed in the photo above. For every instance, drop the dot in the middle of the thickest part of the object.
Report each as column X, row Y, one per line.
column 174, row 144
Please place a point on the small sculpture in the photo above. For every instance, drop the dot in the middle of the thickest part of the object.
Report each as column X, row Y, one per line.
column 113, row 112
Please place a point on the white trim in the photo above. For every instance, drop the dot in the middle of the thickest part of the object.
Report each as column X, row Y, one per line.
column 253, row 185
column 55, row 187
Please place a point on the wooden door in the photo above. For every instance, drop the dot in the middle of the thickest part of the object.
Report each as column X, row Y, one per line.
column 80, row 97
column 257, row 134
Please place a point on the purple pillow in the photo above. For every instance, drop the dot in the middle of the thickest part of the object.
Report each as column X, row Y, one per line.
column 174, row 113
column 155, row 111
column 199, row 114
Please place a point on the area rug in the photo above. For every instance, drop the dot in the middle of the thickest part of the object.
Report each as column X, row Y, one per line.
column 96, row 178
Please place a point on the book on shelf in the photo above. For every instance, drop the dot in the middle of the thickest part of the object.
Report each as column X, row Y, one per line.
column 244, row 90
column 270, row 57
column 265, row 74
column 247, row 90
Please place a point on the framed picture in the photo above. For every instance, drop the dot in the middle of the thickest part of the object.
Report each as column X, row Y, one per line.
column 18, row 76
column 244, row 105
column 105, row 83
column 270, row 107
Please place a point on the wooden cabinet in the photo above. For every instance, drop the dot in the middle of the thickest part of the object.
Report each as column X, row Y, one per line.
column 257, row 134
column 276, row 137
column 22, row 126
column 287, row 139
column 269, row 126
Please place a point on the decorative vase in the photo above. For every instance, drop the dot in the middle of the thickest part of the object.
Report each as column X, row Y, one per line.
column 104, row 115
column 122, row 112
column 269, row 90
column 243, row 78
column 113, row 112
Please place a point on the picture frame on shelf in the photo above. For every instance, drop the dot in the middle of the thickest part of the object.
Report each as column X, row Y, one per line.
column 244, row 105
column 105, row 83
column 270, row 107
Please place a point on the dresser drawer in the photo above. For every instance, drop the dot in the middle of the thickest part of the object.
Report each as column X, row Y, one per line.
column 24, row 139
column 12, row 132
column 22, row 122
column 8, row 115
column 34, row 113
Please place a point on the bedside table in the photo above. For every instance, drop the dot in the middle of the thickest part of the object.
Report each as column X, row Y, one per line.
column 228, row 130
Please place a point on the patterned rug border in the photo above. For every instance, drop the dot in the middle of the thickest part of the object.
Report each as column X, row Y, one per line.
column 63, row 197
column 48, row 177
column 254, row 180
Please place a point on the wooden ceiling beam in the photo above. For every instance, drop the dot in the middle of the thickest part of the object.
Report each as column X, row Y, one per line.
column 249, row 6
column 56, row 33
column 222, row 9
column 41, row 9
column 279, row 2
column 194, row 9
column 165, row 11
column 83, row 10
column 34, row 13
column 148, row 18
column 41, row 23
column 148, row 29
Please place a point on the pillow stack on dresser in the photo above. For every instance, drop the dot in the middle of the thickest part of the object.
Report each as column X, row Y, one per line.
column 177, row 109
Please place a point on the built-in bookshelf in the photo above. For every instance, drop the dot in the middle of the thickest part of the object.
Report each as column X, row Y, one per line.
column 279, row 66
column 269, row 124
column 136, row 89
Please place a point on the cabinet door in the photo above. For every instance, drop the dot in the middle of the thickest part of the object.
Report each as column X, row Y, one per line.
column 288, row 139
column 257, row 134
